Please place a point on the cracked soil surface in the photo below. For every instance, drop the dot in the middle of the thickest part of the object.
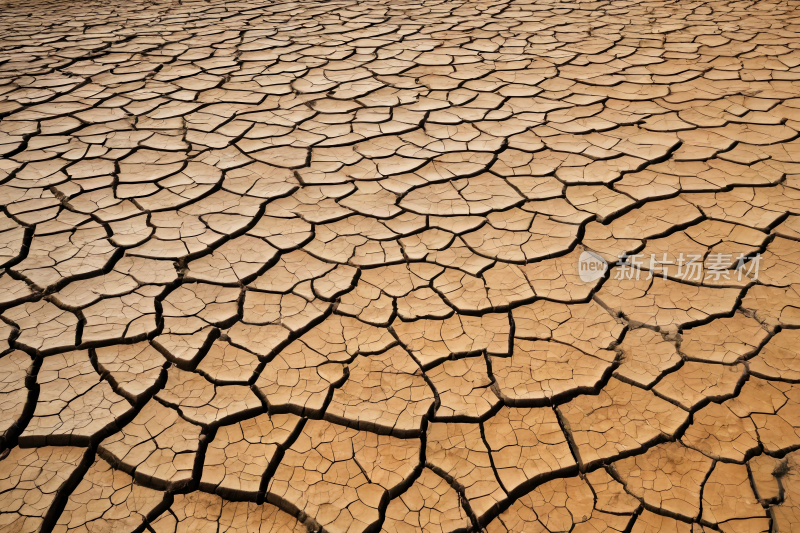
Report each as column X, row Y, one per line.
column 275, row 266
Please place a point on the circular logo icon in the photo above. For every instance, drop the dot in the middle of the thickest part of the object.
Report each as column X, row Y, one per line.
column 591, row 266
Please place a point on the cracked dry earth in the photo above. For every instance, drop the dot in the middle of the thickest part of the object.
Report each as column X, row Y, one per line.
column 270, row 266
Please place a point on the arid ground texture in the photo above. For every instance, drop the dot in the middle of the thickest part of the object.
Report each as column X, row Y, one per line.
column 278, row 266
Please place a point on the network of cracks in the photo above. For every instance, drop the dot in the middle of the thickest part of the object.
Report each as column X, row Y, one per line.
column 270, row 266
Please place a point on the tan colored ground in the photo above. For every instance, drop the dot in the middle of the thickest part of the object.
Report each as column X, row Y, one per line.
column 269, row 266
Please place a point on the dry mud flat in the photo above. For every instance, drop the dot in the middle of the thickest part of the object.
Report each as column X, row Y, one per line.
column 269, row 266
